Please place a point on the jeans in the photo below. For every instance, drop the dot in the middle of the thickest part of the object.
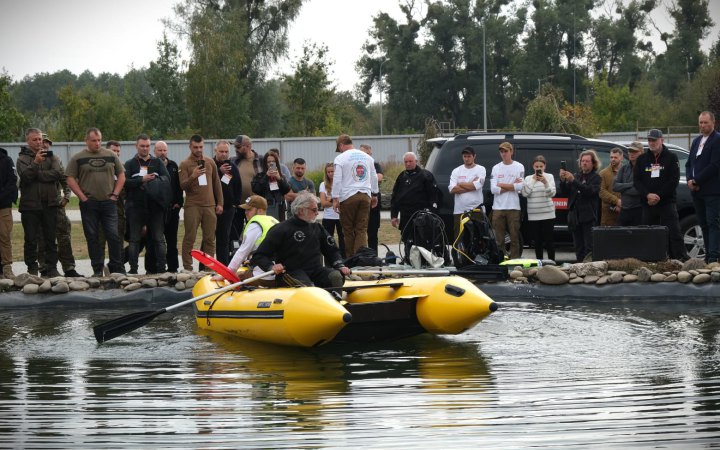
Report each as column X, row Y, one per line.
column 38, row 223
column 154, row 221
column 99, row 215
column 707, row 209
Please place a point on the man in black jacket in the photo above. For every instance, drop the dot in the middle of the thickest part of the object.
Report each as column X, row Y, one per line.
column 414, row 190
column 172, row 215
column 8, row 196
column 656, row 176
column 583, row 190
column 232, row 198
column 142, row 209
column 295, row 248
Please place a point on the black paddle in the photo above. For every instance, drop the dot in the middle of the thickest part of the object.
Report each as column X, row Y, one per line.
column 122, row 325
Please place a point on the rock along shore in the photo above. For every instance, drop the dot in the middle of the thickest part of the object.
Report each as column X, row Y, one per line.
column 630, row 278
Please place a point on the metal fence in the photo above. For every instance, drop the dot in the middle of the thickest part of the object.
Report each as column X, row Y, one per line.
column 316, row 151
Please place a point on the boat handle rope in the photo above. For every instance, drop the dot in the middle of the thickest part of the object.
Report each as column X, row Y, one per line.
column 207, row 313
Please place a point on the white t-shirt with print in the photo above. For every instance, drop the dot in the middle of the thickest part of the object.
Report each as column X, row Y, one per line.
column 466, row 201
column 507, row 174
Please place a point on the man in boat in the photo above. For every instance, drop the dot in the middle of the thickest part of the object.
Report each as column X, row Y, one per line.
column 254, row 233
column 295, row 248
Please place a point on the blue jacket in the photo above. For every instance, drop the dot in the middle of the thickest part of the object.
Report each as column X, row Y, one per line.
column 705, row 169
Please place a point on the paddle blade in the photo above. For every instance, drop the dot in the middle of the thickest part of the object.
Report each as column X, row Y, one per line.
column 122, row 325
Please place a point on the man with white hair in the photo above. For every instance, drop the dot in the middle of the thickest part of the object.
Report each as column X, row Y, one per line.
column 295, row 249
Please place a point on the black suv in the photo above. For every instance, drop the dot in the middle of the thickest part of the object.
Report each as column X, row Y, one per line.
column 555, row 147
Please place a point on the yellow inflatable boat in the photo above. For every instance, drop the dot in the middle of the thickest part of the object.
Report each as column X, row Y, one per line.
column 368, row 311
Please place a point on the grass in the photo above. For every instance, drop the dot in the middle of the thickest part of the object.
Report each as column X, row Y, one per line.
column 387, row 235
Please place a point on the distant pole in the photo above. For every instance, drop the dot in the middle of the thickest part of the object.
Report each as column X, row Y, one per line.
column 573, row 56
column 381, row 99
column 484, row 83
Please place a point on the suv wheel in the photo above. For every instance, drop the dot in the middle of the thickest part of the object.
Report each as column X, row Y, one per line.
column 692, row 237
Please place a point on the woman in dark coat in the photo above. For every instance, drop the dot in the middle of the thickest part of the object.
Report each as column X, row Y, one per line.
column 272, row 186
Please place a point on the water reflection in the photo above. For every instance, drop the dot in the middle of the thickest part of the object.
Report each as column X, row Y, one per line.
column 530, row 375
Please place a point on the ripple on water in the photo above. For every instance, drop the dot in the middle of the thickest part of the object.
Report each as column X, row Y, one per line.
column 530, row 375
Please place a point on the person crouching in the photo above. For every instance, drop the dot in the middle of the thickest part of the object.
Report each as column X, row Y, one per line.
column 294, row 249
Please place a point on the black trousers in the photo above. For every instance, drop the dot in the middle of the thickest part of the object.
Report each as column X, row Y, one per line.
column 172, row 222
column 222, row 234
column 373, row 228
column 582, row 240
column 43, row 223
column 667, row 215
column 542, row 234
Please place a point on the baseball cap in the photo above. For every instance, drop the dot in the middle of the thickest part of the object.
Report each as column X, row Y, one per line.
column 46, row 138
column 636, row 147
column 654, row 134
column 342, row 139
column 506, row 146
column 255, row 201
column 468, row 150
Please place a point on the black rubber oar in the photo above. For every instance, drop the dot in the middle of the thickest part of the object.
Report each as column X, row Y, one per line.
column 122, row 325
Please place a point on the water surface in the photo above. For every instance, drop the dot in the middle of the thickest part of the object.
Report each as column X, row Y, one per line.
column 531, row 375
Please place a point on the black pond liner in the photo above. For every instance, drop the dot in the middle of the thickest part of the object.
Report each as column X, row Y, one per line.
column 157, row 297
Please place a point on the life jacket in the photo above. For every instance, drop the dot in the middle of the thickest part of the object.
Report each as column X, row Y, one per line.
column 265, row 222
column 475, row 243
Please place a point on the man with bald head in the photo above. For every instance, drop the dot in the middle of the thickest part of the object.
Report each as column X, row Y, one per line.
column 415, row 189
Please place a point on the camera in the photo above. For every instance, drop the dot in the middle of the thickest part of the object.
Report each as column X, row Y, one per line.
column 563, row 165
column 538, row 173
column 49, row 154
column 201, row 164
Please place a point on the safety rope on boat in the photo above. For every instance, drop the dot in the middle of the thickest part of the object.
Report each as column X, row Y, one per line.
column 207, row 313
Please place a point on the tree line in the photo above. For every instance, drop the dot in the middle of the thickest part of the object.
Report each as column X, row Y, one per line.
column 582, row 66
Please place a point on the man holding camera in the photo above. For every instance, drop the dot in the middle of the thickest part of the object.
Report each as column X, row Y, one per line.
column 203, row 199
column 40, row 174
column 232, row 198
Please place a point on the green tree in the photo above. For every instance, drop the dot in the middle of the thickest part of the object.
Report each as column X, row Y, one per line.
column 232, row 44
column 90, row 107
column 550, row 113
column 74, row 111
column 166, row 110
column 12, row 121
column 683, row 57
column 309, row 92
column 612, row 105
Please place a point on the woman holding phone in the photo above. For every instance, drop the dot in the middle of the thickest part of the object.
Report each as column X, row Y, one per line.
column 272, row 186
column 539, row 189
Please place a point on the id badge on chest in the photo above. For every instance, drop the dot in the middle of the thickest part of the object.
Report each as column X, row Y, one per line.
column 143, row 171
column 655, row 171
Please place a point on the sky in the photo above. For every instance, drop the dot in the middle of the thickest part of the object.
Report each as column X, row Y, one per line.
column 113, row 36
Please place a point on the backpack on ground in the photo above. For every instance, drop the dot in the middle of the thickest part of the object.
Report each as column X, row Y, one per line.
column 475, row 244
column 427, row 230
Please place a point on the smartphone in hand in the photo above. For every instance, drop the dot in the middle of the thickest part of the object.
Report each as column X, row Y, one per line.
column 201, row 164
column 538, row 173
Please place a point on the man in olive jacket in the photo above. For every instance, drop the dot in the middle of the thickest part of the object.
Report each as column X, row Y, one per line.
column 40, row 176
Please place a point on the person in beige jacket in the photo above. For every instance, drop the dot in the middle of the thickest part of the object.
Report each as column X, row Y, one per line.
column 203, row 199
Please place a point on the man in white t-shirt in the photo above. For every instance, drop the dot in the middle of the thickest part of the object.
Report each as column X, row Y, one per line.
column 506, row 182
column 466, row 182
column 355, row 191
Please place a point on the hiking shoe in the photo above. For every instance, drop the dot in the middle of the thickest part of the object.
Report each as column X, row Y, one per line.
column 72, row 273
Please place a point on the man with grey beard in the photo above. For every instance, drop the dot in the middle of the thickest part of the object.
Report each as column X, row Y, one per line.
column 294, row 249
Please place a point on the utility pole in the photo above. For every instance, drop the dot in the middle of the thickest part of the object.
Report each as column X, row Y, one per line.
column 484, row 83
column 382, row 86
